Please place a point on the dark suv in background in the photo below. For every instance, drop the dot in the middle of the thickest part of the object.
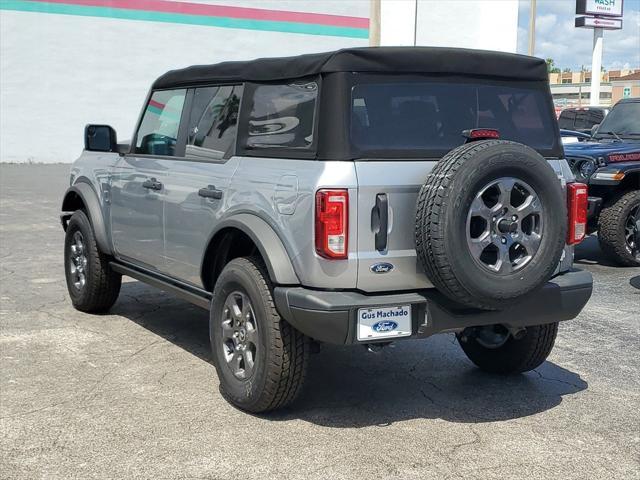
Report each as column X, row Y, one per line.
column 609, row 162
column 581, row 119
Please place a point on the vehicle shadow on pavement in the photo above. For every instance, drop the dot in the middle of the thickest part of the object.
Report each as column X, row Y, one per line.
column 348, row 387
column 588, row 252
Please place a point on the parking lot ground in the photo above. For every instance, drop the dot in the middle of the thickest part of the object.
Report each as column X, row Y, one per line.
column 133, row 394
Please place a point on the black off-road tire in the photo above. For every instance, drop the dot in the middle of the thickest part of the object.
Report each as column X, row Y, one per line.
column 442, row 208
column 515, row 356
column 282, row 354
column 611, row 228
column 102, row 284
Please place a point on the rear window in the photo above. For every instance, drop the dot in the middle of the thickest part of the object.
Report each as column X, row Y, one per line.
column 580, row 119
column 429, row 117
column 567, row 119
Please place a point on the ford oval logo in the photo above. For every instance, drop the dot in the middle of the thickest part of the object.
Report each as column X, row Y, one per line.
column 384, row 326
column 381, row 267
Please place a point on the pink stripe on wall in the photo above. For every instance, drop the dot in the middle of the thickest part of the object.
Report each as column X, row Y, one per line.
column 190, row 8
column 159, row 105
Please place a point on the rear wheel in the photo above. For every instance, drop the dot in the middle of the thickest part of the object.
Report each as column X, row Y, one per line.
column 619, row 228
column 261, row 360
column 493, row 349
column 92, row 285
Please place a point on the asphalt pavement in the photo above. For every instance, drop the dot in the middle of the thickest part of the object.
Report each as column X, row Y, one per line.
column 133, row 393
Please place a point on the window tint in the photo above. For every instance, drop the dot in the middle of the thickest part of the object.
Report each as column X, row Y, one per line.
column 282, row 115
column 624, row 120
column 567, row 119
column 431, row 116
column 213, row 122
column 158, row 131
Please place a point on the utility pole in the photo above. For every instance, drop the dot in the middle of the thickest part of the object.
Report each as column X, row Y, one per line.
column 532, row 28
column 374, row 23
column 596, row 66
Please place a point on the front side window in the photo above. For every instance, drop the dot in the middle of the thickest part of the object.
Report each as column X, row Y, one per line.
column 429, row 117
column 213, row 122
column 158, row 132
column 282, row 116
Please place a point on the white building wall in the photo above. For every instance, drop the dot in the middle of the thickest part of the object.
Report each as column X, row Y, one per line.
column 482, row 24
column 60, row 72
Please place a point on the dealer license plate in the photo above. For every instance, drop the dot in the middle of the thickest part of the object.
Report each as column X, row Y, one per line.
column 384, row 322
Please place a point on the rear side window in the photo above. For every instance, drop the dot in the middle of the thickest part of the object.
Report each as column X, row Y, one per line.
column 158, row 130
column 429, row 117
column 282, row 116
column 213, row 122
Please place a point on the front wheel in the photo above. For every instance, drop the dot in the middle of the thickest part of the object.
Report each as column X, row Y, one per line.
column 261, row 360
column 493, row 349
column 619, row 229
column 93, row 286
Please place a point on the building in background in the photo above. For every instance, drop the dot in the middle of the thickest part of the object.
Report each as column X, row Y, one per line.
column 573, row 89
column 66, row 63
column 627, row 86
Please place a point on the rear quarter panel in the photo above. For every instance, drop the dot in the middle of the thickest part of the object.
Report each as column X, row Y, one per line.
column 282, row 192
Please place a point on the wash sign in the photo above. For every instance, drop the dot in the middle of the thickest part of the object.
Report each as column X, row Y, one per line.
column 609, row 8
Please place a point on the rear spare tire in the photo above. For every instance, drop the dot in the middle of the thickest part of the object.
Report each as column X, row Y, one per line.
column 491, row 223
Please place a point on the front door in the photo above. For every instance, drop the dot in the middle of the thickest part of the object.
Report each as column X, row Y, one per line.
column 196, row 189
column 138, row 182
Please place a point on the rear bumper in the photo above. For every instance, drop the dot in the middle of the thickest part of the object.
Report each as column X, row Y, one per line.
column 331, row 316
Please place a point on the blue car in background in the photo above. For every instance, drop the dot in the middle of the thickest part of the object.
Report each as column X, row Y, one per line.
column 609, row 162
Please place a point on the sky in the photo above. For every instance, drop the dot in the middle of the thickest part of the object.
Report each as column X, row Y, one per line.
column 570, row 47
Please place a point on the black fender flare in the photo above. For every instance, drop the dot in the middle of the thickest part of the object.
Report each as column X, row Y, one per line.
column 91, row 202
column 271, row 248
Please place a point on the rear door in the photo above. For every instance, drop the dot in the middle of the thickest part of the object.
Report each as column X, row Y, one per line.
column 196, row 187
column 401, row 127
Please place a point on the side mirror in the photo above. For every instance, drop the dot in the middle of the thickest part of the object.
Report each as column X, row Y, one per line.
column 594, row 129
column 100, row 138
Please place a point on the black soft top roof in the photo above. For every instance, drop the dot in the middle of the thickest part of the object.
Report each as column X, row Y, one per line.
column 455, row 61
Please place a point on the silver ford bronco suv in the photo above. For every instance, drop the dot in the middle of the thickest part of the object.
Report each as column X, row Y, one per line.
column 362, row 196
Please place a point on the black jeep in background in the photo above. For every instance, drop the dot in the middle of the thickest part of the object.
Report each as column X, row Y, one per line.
column 610, row 164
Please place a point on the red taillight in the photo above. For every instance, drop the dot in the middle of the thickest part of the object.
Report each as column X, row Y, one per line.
column 577, row 206
column 332, row 223
column 481, row 133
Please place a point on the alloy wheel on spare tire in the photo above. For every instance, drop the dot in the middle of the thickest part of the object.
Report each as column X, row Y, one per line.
column 491, row 223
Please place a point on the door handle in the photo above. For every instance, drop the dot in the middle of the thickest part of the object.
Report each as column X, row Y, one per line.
column 152, row 184
column 380, row 221
column 210, row 192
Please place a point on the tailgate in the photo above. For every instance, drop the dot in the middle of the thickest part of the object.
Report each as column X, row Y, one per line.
column 394, row 184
